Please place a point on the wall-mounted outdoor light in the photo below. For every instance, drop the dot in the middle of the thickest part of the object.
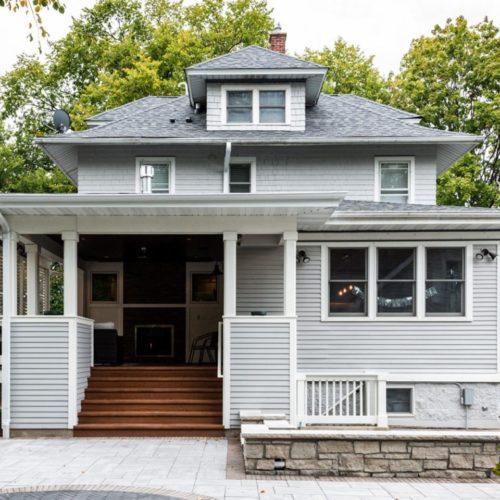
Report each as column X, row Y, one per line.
column 484, row 253
column 302, row 257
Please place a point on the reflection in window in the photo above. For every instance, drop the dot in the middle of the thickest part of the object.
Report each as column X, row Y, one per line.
column 203, row 287
column 104, row 287
column 396, row 281
column 444, row 281
column 348, row 281
column 239, row 106
column 272, row 106
column 399, row 400
column 394, row 182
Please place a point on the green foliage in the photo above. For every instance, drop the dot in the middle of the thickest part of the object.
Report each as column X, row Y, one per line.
column 452, row 79
column 349, row 71
column 56, row 304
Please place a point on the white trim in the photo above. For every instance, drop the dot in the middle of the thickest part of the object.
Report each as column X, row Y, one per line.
column 72, row 373
column 372, row 281
column 32, row 278
column 412, row 400
column 171, row 172
column 293, row 371
column 410, row 160
column 239, row 160
column 290, row 272
column 255, row 89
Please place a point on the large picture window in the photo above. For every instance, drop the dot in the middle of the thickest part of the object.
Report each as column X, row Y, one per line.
column 444, row 284
column 396, row 281
column 348, row 281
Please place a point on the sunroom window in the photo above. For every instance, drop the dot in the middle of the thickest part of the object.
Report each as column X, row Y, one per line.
column 239, row 106
column 444, row 294
column 348, row 281
column 395, row 181
column 396, row 281
column 272, row 106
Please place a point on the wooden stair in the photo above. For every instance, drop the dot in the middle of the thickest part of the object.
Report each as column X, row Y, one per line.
column 152, row 401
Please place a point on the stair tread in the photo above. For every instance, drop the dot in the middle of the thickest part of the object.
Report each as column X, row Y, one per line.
column 153, row 379
column 152, row 401
column 150, row 413
column 149, row 426
column 154, row 389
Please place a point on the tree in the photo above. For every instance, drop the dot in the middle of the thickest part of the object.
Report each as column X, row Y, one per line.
column 349, row 71
column 34, row 9
column 452, row 79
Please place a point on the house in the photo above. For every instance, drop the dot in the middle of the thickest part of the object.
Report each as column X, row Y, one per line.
column 297, row 232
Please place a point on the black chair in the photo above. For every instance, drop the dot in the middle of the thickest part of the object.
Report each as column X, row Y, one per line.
column 204, row 344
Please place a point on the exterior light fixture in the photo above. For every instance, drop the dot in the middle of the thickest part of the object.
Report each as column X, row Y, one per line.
column 217, row 271
column 484, row 253
column 302, row 257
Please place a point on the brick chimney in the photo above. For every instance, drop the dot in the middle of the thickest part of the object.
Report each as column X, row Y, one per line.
column 277, row 40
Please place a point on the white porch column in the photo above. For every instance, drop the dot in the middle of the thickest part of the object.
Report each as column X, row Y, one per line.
column 9, row 289
column 70, row 239
column 32, row 256
column 230, row 245
column 290, row 266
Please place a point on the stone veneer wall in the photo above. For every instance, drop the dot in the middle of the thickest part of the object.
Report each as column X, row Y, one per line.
column 372, row 458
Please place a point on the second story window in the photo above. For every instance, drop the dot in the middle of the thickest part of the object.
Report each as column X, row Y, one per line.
column 240, row 178
column 240, row 106
column 155, row 175
column 272, row 106
column 394, row 180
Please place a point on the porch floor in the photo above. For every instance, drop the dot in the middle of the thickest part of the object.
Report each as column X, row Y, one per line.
column 152, row 400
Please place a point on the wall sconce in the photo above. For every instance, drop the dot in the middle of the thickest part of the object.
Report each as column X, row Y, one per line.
column 485, row 252
column 302, row 257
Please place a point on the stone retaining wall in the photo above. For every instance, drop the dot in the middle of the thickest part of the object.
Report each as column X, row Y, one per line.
column 374, row 457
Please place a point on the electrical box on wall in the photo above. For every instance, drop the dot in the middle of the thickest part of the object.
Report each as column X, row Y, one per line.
column 467, row 397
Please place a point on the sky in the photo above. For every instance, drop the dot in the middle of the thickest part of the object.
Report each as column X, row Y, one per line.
column 382, row 28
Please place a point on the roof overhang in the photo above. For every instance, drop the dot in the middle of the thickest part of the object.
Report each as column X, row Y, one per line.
column 197, row 79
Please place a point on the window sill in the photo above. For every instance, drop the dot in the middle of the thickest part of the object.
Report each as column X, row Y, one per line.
column 399, row 319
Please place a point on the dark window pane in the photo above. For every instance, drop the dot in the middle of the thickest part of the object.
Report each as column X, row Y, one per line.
column 348, row 263
column 396, row 263
column 272, row 115
column 272, row 98
column 396, row 297
column 348, row 297
column 444, row 297
column 445, row 263
column 399, row 401
column 203, row 287
column 240, row 173
column 239, row 98
column 239, row 188
column 394, row 198
column 239, row 115
column 104, row 287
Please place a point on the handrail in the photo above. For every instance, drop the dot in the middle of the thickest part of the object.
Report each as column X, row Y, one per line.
column 219, row 350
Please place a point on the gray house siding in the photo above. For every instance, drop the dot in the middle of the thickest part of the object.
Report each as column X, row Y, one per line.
column 398, row 346
column 200, row 170
column 259, row 368
column 84, row 359
column 39, row 378
column 259, row 280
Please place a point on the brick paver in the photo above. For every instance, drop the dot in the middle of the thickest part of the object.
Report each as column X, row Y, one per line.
column 195, row 467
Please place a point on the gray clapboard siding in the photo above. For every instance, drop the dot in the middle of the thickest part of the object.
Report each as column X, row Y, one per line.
column 259, row 280
column 106, row 169
column 260, row 368
column 39, row 378
column 425, row 347
column 84, row 359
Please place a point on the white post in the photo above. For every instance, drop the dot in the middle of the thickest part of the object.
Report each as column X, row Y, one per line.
column 230, row 246
column 33, row 278
column 9, row 310
column 381, row 401
column 70, row 239
column 290, row 267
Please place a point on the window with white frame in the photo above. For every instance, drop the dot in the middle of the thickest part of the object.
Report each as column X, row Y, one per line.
column 240, row 178
column 399, row 400
column 445, row 283
column 155, row 175
column 394, row 180
column 380, row 281
column 260, row 105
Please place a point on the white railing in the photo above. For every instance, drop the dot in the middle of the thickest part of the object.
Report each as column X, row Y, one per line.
column 220, row 373
column 341, row 399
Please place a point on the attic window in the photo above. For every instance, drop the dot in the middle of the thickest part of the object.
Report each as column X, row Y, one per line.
column 272, row 106
column 394, row 183
column 239, row 106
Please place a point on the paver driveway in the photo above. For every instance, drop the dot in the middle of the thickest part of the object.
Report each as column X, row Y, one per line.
column 196, row 466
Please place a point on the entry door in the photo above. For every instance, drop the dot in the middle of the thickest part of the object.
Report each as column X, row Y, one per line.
column 203, row 301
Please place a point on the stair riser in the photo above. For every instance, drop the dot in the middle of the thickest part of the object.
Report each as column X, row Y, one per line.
column 149, row 433
column 148, row 384
column 188, row 394
column 154, row 373
column 150, row 420
column 89, row 406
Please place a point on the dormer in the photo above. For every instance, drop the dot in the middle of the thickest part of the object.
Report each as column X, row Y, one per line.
column 256, row 88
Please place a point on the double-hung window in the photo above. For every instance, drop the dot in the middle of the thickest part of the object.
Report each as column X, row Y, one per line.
column 348, row 281
column 445, row 284
column 396, row 281
column 239, row 106
column 394, row 180
column 272, row 107
column 240, row 178
column 155, row 175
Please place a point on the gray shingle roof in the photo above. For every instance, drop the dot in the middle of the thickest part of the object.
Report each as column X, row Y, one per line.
column 355, row 206
column 334, row 117
column 378, row 107
column 255, row 57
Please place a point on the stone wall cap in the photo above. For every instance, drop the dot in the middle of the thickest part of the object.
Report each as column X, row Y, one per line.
column 257, row 414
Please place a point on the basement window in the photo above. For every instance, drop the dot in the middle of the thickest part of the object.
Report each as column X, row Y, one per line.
column 399, row 400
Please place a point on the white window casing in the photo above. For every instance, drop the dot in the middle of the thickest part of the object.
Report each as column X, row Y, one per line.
column 242, row 160
column 411, row 413
column 155, row 160
column 379, row 162
column 420, row 313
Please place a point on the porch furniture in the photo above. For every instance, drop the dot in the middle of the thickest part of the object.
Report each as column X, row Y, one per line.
column 204, row 344
column 105, row 347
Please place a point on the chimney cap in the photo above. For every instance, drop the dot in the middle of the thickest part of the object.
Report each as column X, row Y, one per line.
column 277, row 30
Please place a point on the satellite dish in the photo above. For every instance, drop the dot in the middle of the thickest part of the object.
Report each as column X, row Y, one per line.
column 61, row 120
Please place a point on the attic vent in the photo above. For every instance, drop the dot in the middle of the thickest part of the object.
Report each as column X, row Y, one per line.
column 146, row 173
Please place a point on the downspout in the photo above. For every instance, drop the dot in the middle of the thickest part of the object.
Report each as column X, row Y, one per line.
column 6, row 314
column 227, row 160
